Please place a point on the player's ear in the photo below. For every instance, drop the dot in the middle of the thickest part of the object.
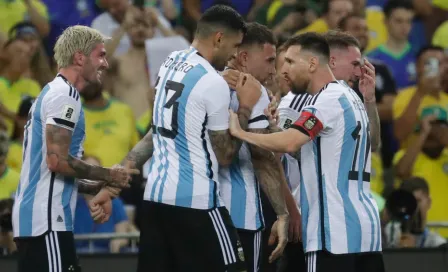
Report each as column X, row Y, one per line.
column 332, row 63
column 217, row 40
column 78, row 58
column 242, row 57
column 313, row 63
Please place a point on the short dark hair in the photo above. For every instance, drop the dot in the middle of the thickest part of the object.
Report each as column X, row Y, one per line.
column 427, row 48
column 342, row 25
column 258, row 34
column 341, row 40
column 392, row 5
column 220, row 16
column 414, row 184
column 310, row 41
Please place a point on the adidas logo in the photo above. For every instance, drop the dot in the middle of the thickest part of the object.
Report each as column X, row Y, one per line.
column 60, row 220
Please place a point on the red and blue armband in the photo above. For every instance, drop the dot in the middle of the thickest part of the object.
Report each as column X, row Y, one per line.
column 308, row 124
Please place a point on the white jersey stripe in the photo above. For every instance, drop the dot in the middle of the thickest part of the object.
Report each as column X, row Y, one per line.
column 54, row 257
column 227, row 240
column 49, row 254
column 225, row 254
column 58, row 250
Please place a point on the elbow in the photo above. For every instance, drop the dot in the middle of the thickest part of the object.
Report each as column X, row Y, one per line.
column 291, row 147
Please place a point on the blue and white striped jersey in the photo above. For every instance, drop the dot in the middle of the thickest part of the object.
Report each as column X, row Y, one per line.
column 339, row 213
column 46, row 201
column 191, row 98
column 289, row 111
column 239, row 186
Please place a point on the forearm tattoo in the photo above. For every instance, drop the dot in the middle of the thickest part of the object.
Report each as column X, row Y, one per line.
column 89, row 187
column 374, row 121
column 141, row 152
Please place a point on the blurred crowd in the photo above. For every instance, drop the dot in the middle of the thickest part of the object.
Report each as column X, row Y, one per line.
column 406, row 40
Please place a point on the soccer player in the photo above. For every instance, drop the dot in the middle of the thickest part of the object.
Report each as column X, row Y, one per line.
column 253, row 166
column 339, row 216
column 45, row 203
column 186, row 226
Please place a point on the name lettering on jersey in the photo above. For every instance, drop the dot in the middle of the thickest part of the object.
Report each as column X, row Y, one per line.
column 179, row 66
column 67, row 113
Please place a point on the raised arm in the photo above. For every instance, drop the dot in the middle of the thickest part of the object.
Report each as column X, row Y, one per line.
column 224, row 145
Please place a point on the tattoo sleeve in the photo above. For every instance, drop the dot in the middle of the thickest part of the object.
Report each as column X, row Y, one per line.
column 224, row 145
column 269, row 174
column 59, row 160
column 89, row 187
column 374, row 120
column 141, row 152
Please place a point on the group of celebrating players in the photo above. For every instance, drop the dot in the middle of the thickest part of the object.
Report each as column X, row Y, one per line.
column 215, row 140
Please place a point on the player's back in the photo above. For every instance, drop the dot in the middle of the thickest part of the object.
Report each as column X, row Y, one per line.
column 184, row 169
column 339, row 214
column 46, row 201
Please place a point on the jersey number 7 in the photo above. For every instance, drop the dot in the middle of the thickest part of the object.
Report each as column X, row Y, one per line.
column 174, row 105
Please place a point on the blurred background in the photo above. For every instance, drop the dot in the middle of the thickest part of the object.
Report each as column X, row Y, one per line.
column 407, row 40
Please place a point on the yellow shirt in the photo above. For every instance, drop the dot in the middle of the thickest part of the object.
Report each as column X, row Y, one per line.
column 11, row 94
column 403, row 99
column 14, row 159
column 15, row 11
column 8, row 183
column 110, row 132
column 318, row 26
column 377, row 29
column 440, row 37
column 143, row 122
column 376, row 175
column 443, row 4
column 435, row 172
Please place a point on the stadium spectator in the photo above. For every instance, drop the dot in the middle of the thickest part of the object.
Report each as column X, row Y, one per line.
column 334, row 11
column 110, row 125
column 9, row 178
column 112, row 22
column 410, row 103
column 117, row 223
column 282, row 16
column 7, row 245
column 438, row 14
column 247, row 8
column 168, row 8
column 420, row 236
column 39, row 68
column 14, row 159
column 397, row 52
column 15, row 11
column 129, row 75
column 440, row 37
column 427, row 157
column 16, row 58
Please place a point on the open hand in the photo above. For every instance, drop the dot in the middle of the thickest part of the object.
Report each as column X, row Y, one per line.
column 248, row 90
column 231, row 77
column 279, row 234
column 367, row 82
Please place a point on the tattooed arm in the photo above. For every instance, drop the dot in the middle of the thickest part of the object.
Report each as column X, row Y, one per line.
column 59, row 160
column 374, row 121
column 89, row 187
column 141, row 152
column 269, row 175
column 224, row 145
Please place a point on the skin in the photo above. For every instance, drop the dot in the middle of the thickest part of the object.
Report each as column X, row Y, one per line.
column 338, row 9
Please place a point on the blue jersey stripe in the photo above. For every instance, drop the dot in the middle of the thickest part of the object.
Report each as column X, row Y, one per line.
column 164, row 142
column 321, row 222
column 238, row 200
column 352, row 222
column 36, row 157
column 184, row 192
column 305, row 207
column 69, row 182
column 155, row 122
column 259, row 216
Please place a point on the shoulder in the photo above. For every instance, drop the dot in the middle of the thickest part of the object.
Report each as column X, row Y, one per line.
column 406, row 93
column 375, row 53
column 119, row 106
column 32, row 86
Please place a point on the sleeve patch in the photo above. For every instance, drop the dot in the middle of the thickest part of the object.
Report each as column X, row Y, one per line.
column 68, row 113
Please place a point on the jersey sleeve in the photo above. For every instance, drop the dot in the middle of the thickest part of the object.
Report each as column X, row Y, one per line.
column 257, row 118
column 321, row 116
column 62, row 110
column 217, row 101
column 287, row 110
